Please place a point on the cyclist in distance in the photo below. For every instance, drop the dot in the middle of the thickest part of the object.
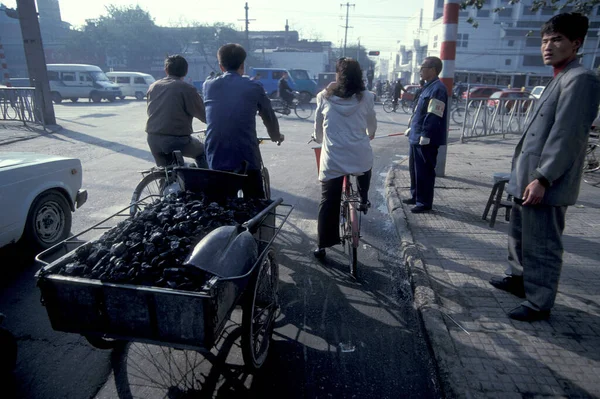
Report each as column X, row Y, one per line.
column 172, row 106
column 398, row 88
column 285, row 91
column 232, row 102
column 345, row 122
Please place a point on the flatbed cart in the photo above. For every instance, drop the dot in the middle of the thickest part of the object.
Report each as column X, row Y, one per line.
column 107, row 314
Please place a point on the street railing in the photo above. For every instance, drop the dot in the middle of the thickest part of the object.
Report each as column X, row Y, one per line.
column 20, row 104
column 491, row 117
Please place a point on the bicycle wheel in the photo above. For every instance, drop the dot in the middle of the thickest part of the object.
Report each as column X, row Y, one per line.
column 148, row 190
column 592, row 162
column 406, row 107
column 458, row 115
column 266, row 182
column 352, row 230
column 388, row 106
column 302, row 110
column 259, row 311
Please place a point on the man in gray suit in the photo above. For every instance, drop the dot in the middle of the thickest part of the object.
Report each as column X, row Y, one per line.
column 546, row 170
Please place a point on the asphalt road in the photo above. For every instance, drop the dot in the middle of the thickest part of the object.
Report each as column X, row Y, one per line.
column 335, row 337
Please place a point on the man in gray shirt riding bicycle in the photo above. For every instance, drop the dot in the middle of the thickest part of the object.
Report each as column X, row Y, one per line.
column 172, row 106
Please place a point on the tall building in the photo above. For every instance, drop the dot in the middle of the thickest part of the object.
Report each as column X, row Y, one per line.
column 505, row 48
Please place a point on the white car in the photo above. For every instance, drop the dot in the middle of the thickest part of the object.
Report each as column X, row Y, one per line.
column 37, row 195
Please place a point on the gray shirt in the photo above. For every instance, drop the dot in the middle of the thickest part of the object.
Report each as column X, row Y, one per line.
column 172, row 105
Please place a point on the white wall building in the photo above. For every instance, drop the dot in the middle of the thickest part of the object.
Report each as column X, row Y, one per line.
column 498, row 51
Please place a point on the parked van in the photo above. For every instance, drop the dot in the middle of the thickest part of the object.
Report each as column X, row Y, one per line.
column 298, row 80
column 75, row 81
column 132, row 84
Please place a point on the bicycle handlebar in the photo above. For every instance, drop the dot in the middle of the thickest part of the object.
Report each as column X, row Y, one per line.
column 261, row 139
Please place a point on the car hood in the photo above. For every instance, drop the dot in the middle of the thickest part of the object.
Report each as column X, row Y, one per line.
column 13, row 159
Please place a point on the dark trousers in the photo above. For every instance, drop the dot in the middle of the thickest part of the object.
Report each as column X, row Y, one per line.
column 421, row 164
column 535, row 251
column 162, row 147
column 328, row 221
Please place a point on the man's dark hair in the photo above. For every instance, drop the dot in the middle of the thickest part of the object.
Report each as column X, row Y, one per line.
column 349, row 80
column 572, row 25
column 231, row 56
column 176, row 65
column 434, row 62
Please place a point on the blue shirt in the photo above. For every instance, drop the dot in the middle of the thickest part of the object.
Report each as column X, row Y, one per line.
column 232, row 102
column 428, row 124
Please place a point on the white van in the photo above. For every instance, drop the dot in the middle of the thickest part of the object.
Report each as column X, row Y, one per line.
column 75, row 81
column 132, row 84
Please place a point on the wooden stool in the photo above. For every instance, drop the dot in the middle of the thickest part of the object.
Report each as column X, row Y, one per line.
column 500, row 180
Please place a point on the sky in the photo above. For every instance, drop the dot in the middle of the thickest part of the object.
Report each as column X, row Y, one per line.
column 378, row 24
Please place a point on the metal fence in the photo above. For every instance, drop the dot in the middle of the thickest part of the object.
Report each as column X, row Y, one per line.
column 485, row 117
column 20, row 104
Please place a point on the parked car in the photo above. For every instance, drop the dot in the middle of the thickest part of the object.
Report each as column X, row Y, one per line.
column 480, row 92
column 75, row 81
column 37, row 195
column 132, row 84
column 537, row 91
column 509, row 100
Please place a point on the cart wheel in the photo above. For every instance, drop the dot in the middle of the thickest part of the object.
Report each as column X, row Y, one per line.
column 103, row 343
column 259, row 311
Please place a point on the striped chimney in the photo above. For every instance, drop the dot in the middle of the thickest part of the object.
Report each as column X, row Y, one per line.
column 4, row 77
column 448, row 45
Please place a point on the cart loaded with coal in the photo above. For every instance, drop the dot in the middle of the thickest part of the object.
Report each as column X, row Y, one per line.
column 172, row 273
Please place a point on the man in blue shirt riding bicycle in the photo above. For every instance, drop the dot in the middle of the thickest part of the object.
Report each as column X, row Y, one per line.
column 232, row 102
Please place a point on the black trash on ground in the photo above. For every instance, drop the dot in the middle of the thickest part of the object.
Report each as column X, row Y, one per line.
column 149, row 249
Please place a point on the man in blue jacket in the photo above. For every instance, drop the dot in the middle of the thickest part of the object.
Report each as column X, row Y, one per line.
column 426, row 134
column 232, row 102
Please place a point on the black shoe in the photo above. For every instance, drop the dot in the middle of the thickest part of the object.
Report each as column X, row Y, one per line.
column 364, row 207
column 512, row 284
column 409, row 201
column 420, row 209
column 524, row 313
column 319, row 253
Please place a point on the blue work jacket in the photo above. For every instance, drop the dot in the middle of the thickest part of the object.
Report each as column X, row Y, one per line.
column 425, row 121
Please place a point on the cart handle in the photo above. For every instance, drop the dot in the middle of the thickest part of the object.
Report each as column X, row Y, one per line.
column 256, row 220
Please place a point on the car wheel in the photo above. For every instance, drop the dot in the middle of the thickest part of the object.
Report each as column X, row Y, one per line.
column 48, row 221
column 122, row 97
column 74, row 99
column 96, row 97
column 56, row 97
column 139, row 95
column 273, row 95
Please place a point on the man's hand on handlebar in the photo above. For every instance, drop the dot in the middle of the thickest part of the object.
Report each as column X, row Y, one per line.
column 281, row 138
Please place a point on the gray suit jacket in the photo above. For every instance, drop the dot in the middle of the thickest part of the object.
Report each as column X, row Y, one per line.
column 554, row 143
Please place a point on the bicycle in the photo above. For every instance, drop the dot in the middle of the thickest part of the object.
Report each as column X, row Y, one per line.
column 350, row 216
column 302, row 110
column 407, row 106
column 591, row 165
column 160, row 181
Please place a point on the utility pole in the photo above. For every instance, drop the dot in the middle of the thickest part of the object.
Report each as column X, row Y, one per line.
column 247, row 21
column 36, row 60
column 347, row 5
column 358, row 52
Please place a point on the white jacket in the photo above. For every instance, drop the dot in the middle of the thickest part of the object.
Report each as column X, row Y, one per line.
column 344, row 127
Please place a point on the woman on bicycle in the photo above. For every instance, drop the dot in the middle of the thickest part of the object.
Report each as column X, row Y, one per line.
column 344, row 124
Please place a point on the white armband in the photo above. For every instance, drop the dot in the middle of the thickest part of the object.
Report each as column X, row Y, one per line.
column 436, row 107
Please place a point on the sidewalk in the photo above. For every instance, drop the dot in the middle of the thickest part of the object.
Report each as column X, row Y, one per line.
column 13, row 131
column 452, row 253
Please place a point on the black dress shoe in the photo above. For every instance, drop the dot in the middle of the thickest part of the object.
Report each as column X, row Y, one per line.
column 512, row 284
column 420, row 209
column 524, row 313
column 319, row 253
column 409, row 201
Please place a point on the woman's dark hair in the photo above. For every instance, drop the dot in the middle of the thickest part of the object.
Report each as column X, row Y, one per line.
column 231, row 56
column 572, row 25
column 349, row 80
column 176, row 65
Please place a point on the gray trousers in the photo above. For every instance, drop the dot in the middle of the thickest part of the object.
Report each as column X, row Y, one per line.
column 162, row 146
column 535, row 251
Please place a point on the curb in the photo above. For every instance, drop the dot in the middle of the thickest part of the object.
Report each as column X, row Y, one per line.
column 449, row 369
